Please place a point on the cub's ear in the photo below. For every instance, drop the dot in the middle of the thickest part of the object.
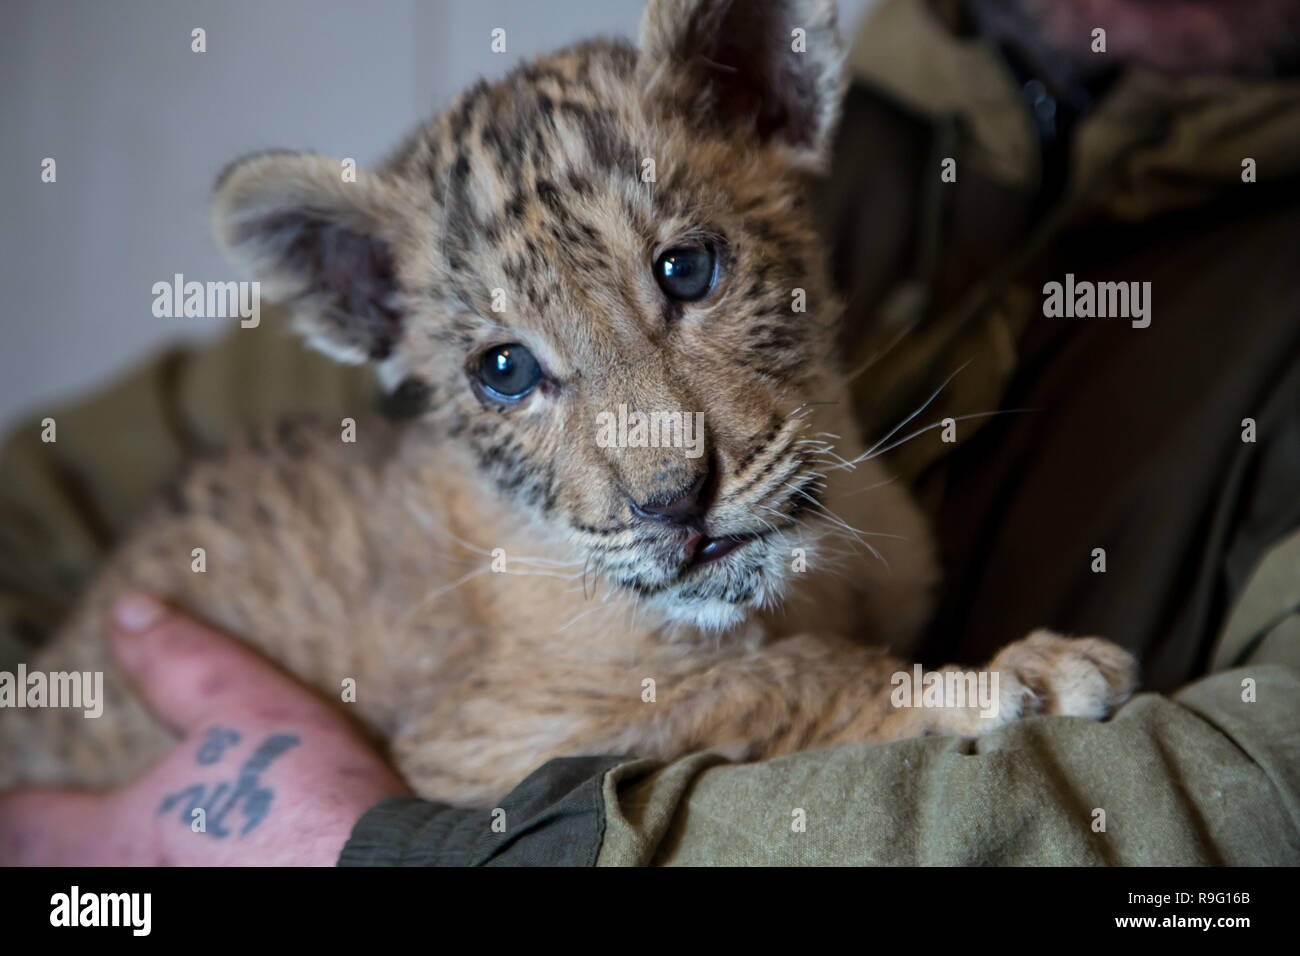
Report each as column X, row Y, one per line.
column 774, row 67
column 319, row 244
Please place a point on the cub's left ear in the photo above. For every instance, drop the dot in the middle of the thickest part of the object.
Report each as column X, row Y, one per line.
column 771, row 67
column 318, row 243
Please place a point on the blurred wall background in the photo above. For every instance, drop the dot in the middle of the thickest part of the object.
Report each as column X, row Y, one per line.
column 139, row 127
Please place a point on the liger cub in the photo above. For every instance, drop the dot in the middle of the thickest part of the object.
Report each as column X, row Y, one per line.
column 612, row 230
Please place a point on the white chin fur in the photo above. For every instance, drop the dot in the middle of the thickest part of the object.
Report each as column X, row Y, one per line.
column 707, row 614
column 712, row 614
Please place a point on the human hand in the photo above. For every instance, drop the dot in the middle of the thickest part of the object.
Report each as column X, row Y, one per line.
column 279, row 777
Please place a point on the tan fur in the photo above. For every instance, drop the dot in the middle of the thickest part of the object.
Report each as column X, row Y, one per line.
column 372, row 560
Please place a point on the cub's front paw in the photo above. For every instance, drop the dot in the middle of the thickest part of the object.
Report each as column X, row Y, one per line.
column 1076, row 677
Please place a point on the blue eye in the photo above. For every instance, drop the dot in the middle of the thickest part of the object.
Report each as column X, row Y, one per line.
column 508, row 372
column 687, row 273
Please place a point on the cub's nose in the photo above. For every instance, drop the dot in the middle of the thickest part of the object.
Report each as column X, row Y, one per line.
column 685, row 508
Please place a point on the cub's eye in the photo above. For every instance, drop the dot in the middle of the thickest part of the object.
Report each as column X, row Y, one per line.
column 687, row 273
column 508, row 372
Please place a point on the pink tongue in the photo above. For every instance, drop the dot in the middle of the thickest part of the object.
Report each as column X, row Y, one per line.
column 692, row 543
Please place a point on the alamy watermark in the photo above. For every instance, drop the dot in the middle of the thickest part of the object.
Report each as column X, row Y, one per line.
column 1101, row 300
column 208, row 300
column 129, row 910
column 946, row 689
column 75, row 689
column 624, row 429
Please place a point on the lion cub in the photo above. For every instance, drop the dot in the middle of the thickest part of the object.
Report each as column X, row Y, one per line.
column 633, row 514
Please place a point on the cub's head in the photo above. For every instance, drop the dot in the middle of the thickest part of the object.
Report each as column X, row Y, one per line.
column 601, row 275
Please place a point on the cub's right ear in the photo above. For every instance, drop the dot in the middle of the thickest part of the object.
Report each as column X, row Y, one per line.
column 773, row 68
column 319, row 244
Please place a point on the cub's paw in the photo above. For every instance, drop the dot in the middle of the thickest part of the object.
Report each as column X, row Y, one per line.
column 1076, row 677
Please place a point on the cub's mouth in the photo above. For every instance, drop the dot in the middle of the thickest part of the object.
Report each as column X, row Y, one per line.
column 702, row 550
